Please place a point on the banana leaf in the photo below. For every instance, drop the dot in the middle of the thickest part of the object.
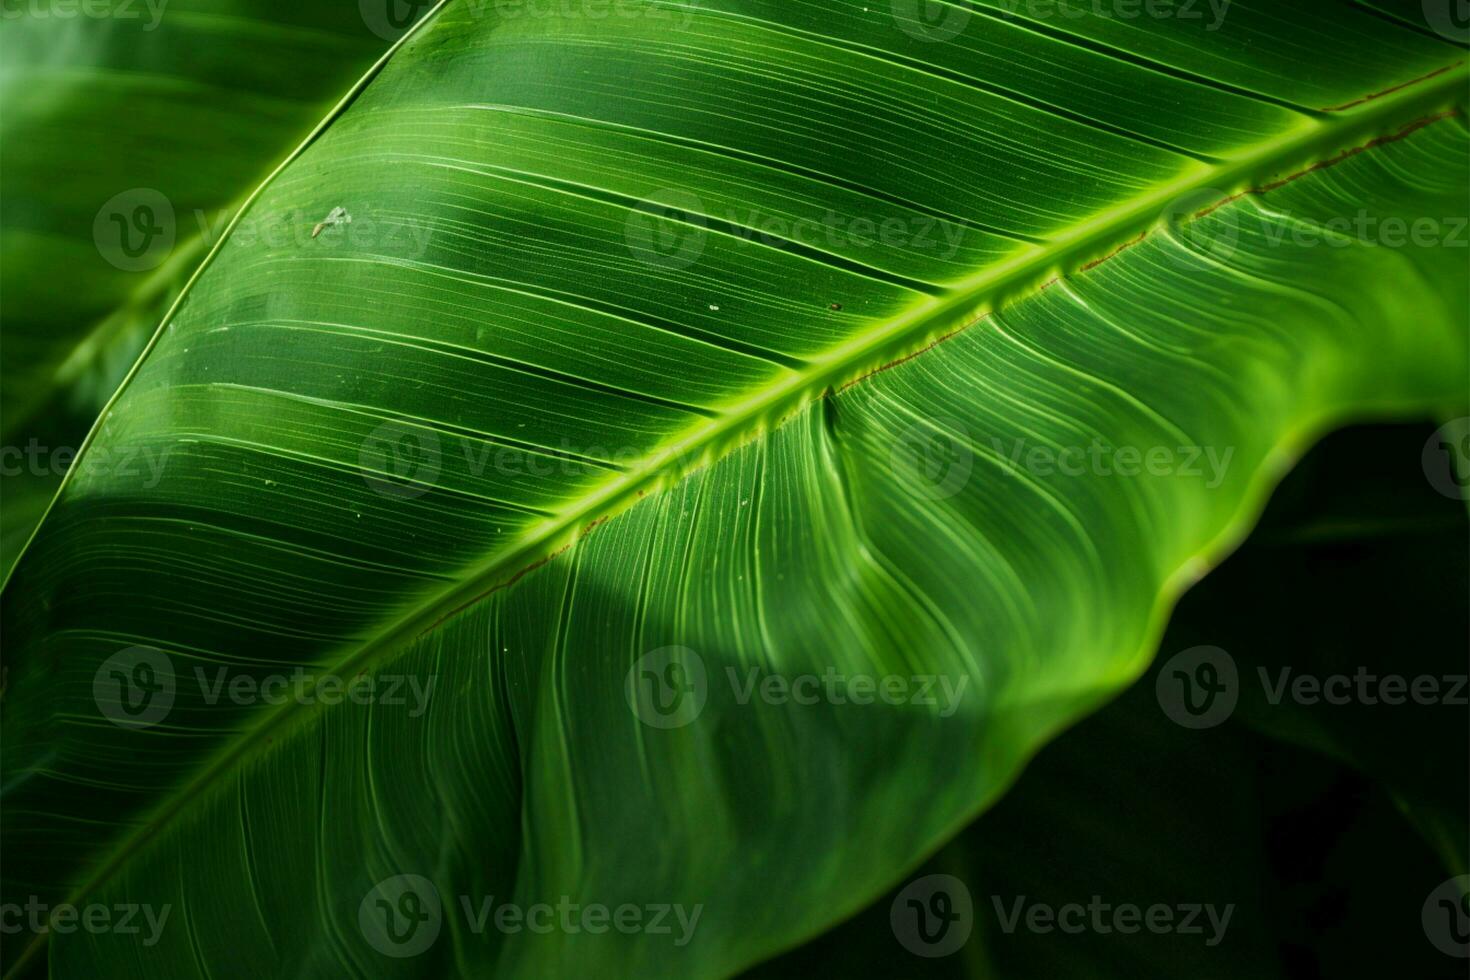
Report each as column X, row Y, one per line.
column 716, row 445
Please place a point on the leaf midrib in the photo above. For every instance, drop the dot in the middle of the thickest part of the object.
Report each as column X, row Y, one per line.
column 1088, row 241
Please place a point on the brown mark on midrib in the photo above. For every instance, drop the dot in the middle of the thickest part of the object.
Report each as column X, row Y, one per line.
column 1407, row 130
column 1390, row 91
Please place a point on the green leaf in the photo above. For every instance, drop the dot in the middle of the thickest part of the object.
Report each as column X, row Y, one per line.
column 585, row 396
column 133, row 129
column 1313, row 852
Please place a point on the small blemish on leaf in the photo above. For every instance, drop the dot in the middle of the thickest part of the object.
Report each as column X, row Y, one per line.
column 337, row 216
